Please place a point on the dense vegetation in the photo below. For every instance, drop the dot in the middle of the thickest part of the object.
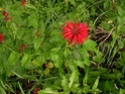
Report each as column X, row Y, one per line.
column 35, row 58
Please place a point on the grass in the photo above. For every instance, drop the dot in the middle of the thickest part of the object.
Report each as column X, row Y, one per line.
column 35, row 59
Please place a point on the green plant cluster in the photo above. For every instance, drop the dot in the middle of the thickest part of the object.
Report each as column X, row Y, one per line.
column 35, row 55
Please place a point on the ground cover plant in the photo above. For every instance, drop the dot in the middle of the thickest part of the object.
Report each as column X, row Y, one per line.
column 62, row 47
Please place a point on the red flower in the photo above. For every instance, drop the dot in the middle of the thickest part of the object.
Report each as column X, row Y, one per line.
column 36, row 90
column 5, row 13
column 22, row 47
column 1, row 38
column 7, row 18
column 75, row 32
column 23, row 2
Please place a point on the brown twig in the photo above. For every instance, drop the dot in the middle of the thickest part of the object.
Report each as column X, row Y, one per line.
column 107, row 36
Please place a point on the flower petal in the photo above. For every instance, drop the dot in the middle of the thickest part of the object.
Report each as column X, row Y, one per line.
column 75, row 32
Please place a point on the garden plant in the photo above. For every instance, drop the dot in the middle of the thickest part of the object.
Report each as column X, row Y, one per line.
column 62, row 47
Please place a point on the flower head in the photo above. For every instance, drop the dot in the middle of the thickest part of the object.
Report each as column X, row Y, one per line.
column 23, row 2
column 22, row 47
column 5, row 13
column 75, row 32
column 1, row 38
column 7, row 18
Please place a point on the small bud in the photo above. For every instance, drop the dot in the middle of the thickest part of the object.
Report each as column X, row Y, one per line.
column 22, row 47
column 110, row 22
column 5, row 13
column 1, row 38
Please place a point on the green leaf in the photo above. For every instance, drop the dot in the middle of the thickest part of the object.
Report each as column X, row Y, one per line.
column 42, row 26
column 67, row 52
column 17, row 74
column 72, row 2
column 20, row 87
column 120, row 44
column 31, row 6
column 50, row 65
column 20, row 33
column 12, row 58
column 40, row 59
column 46, row 71
column 109, row 85
column 76, row 54
column 24, row 59
column 57, row 62
column 87, row 61
column 85, row 80
column 94, row 87
column 33, row 21
column 35, row 63
column 122, row 91
column 80, row 63
column 2, row 91
column 64, row 83
column 121, row 11
column 98, row 57
column 37, row 43
column 47, row 91
column 73, row 78
column 89, row 45
column 18, row 20
column 85, row 56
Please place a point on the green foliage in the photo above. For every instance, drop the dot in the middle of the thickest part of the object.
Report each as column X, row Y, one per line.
column 34, row 53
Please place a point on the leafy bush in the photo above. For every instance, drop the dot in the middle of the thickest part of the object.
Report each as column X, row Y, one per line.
column 35, row 58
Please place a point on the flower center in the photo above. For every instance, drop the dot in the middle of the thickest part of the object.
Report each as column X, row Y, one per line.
column 75, row 30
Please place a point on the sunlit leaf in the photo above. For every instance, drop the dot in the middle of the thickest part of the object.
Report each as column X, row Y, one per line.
column 94, row 87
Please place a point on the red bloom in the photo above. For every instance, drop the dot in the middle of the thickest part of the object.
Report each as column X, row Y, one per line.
column 75, row 32
column 36, row 90
column 7, row 18
column 5, row 13
column 22, row 47
column 1, row 38
column 23, row 2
